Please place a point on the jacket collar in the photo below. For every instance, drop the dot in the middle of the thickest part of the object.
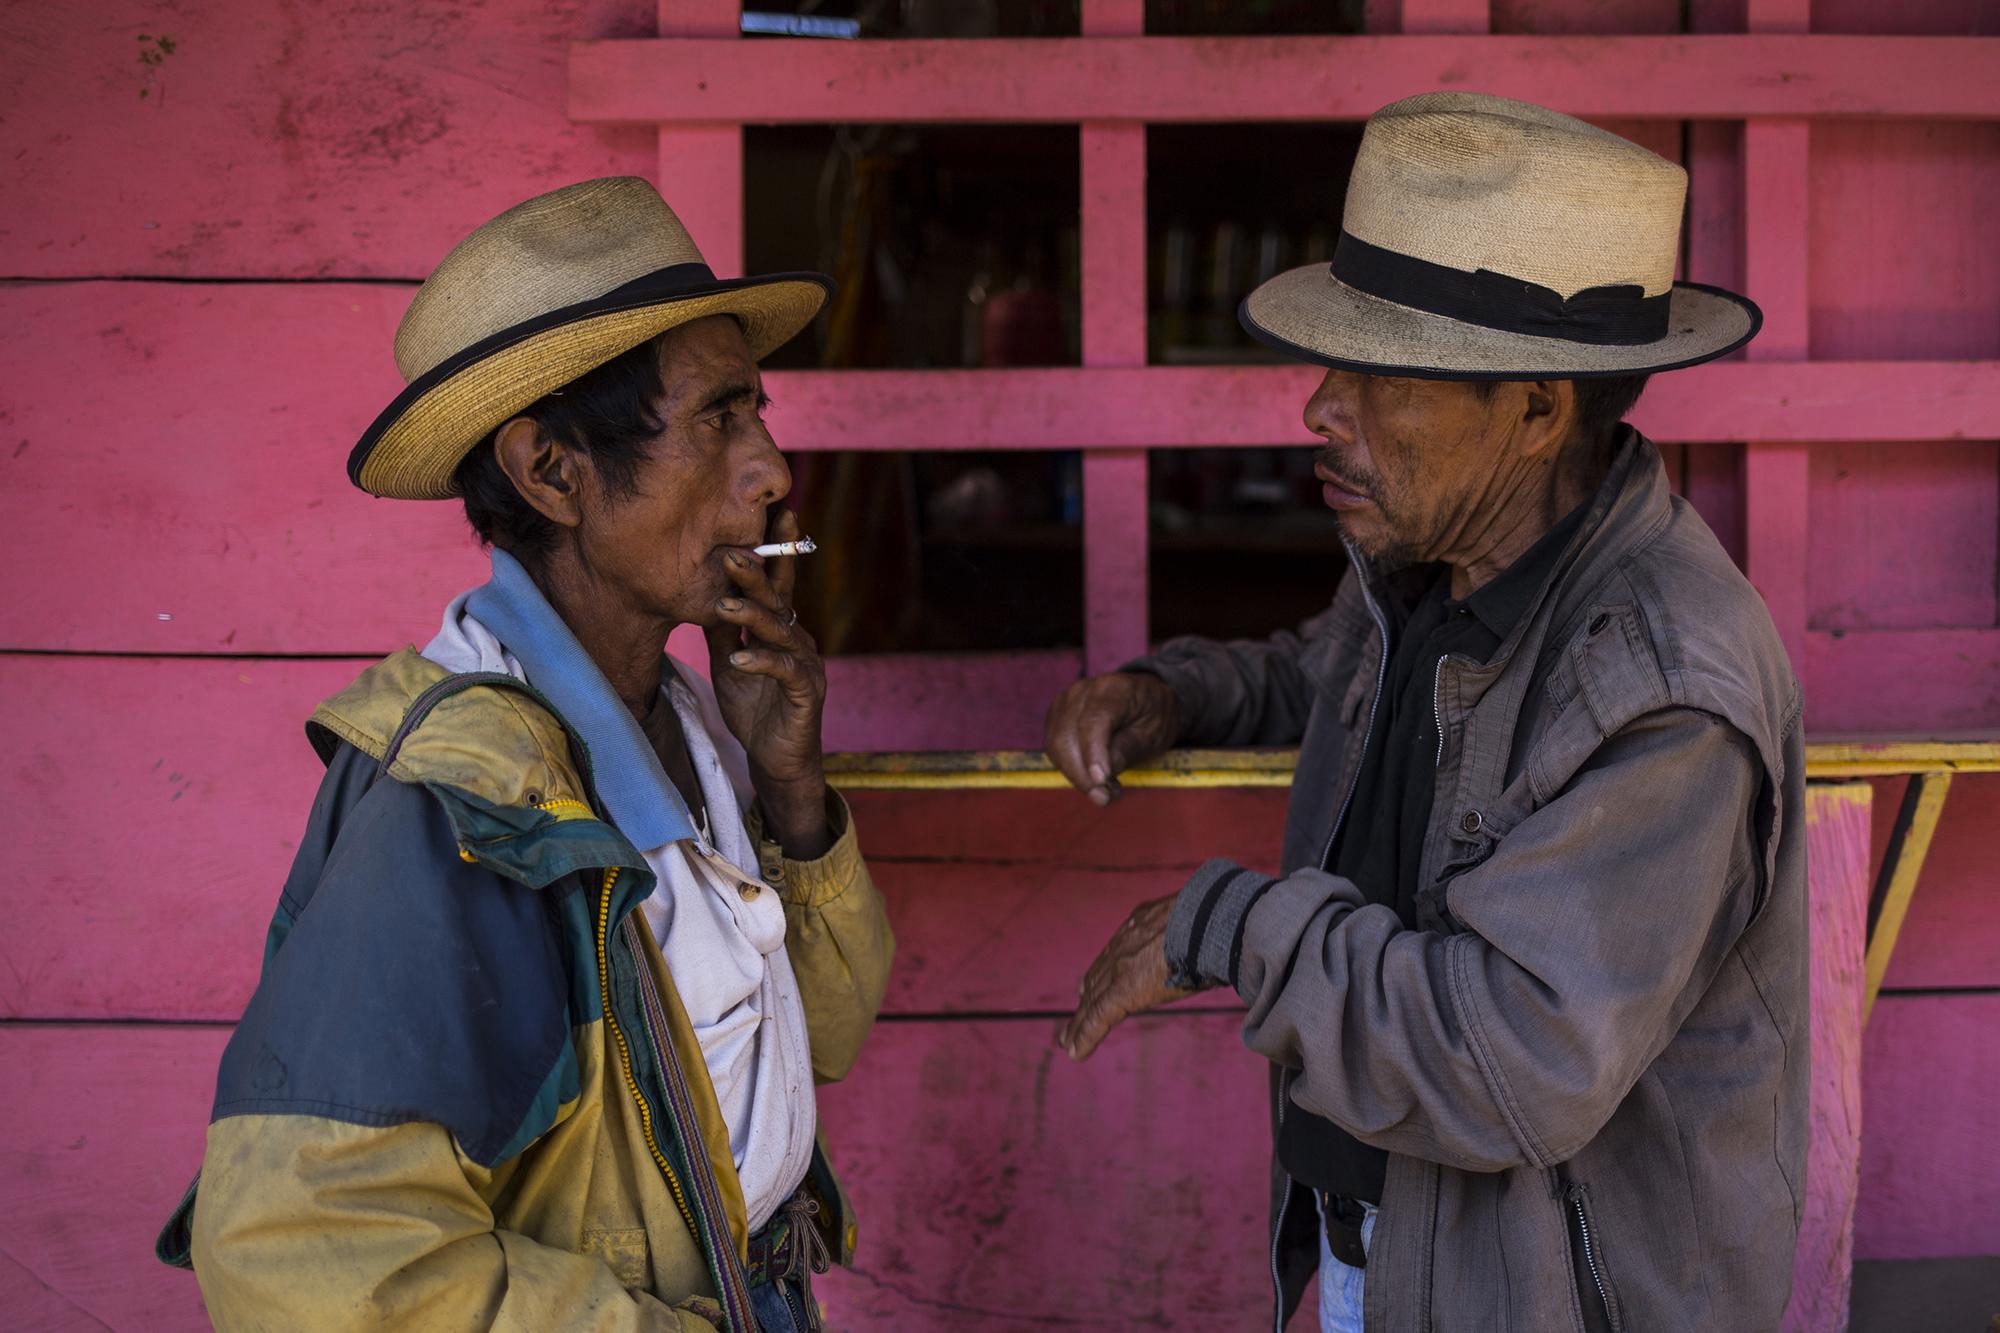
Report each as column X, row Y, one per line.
column 636, row 792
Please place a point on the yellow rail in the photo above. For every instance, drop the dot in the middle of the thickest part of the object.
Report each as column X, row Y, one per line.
column 932, row 770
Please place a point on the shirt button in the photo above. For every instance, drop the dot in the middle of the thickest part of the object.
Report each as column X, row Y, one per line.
column 749, row 891
column 1473, row 821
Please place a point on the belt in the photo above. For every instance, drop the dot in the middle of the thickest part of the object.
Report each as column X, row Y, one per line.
column 789, row 1245
column 1342, row 1217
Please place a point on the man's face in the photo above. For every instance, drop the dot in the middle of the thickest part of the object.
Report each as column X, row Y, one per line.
column 705, row 487
column 1412, row 467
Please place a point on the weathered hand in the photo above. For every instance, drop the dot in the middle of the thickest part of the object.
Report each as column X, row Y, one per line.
column 1101, row 726
column 1129, row 977
column 771, row 685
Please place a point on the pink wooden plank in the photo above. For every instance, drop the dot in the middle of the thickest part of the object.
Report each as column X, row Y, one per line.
column 1775, row 475
column 1930, row 1073
column 1951, row 937
column 1837, row 883
column 974, row 1154
column 1435, row 16
column 1113, row 229
column 1275, row 78
column 1114, row 558
column 1001, row 1187
column 105, row 1127
column 337, row 140
column 701, row 166
column 1904, row 536
column 199, row 768
column 943, row 701
column 186, row 430
column 1912, row 681
column 1901, row 535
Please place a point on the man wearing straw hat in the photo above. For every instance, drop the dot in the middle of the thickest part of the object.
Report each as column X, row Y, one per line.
column 571, row 934
column 1532, row 978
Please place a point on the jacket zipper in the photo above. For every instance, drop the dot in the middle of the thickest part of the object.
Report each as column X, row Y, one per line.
column 1590, row 1259
column 625, row 1056
column 1437, row 709
column 1278, row 1219
column 1340, row 817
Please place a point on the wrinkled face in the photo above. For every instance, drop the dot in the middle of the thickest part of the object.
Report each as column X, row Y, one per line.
column 705, row 487
column 1412, row 467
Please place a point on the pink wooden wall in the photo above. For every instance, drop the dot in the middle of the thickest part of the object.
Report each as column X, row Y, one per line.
column 201, row 285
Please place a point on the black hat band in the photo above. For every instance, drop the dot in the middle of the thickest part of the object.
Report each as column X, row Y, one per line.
column 1615, row 316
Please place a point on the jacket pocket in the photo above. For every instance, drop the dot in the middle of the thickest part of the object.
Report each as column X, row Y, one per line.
column 1594, row 1293
column 625, row 1252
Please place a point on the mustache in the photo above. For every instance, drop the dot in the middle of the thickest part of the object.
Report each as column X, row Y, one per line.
column 1333, row 464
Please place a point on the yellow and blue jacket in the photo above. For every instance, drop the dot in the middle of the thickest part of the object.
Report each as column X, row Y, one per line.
column 465, row 1092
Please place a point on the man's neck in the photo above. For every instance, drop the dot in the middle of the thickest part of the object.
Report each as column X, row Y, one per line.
column 1525, row 515
column 628, row 648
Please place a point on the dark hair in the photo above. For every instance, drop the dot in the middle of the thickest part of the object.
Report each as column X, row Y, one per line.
column 607, row 415
column 1600, row 404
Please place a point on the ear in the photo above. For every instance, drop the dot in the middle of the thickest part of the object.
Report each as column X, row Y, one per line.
column 546, row 472
column 1548, row 417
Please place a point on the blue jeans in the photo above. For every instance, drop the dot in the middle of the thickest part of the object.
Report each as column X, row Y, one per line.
column 781, row 1306
column 1339, row 1285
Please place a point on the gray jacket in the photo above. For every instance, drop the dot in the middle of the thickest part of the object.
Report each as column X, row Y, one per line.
column 1588, row 1062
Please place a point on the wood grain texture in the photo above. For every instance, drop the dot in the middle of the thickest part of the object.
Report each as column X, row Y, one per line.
column 348, row 140
column 1270, row 78
column 332, row 141
column 105, row 1127
column 1930, row 1073
column 153, row 808
column 1837, row 829
column 1012, row 1189
column 1908, row 681
column 998, row 1186
column 207, row 426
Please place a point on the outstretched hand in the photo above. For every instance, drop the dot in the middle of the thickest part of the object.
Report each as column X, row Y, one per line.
column 1129, row 977
column 1101, row 726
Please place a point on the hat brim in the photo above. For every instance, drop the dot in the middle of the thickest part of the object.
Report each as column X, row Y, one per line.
column 417, row 443
column 1310, row 314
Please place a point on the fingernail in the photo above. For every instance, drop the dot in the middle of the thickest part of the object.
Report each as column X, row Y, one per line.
column 738, row 659
column 1100, row 796
column 729, row 604
column 1099, row 774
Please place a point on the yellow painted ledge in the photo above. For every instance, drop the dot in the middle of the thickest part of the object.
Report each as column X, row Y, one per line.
column 1026, row 769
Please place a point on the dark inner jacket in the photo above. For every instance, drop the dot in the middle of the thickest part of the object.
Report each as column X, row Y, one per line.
column 1588, row 1061
column 1381, row 843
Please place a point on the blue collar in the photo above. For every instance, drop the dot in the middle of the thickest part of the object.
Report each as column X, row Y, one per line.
column 641, row 800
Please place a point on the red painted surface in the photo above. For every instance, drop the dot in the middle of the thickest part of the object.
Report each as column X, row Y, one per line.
column 1272, row 78
column 341, row 140
column 1837, row 856
column 176, row 448
column 1930, row 1076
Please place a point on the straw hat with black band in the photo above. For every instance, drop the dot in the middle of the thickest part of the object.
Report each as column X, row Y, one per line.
column 546, row 292
column 1489, row 239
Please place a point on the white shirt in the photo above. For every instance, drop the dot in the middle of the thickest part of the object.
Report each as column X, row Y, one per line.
column 722, row 932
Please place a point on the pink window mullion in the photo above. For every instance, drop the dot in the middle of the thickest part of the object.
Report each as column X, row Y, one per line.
column 701, row 166
column 1775, row 474
column 1112, row 159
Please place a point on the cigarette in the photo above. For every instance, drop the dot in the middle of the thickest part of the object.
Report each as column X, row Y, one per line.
column 803, row 546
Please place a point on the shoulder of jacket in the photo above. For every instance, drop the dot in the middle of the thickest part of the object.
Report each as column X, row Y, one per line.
column 495, row 740
column 1690, row 632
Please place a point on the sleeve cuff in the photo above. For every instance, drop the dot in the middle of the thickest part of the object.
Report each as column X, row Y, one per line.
column 817, row 882
column 1205, row 930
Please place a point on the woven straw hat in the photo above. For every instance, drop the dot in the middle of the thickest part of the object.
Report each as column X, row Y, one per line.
column 542, row 294
column 1486, row 238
